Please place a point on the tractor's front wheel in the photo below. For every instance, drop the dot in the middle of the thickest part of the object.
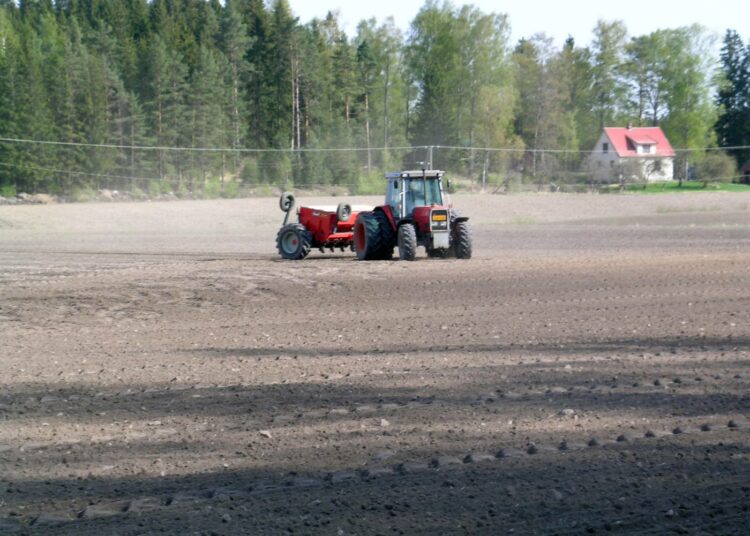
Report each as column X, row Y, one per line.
column 462, row 241
column 407, row 242
column 372, row 237
column 293, row 241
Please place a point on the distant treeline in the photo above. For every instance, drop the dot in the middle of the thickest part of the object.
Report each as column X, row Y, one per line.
column 147, row 76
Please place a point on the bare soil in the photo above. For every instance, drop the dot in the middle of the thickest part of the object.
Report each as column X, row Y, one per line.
column 162, row 370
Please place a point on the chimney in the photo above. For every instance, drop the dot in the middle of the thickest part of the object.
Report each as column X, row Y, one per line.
column 630, row 125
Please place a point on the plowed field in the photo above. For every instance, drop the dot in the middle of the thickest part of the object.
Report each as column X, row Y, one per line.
column 587, row 371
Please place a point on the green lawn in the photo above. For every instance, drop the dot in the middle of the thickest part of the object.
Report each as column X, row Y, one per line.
column 691, row 186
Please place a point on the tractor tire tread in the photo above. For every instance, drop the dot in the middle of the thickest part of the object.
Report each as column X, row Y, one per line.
column 378, row 236
column 387, row 236
column 462, row 239
column 407, row 242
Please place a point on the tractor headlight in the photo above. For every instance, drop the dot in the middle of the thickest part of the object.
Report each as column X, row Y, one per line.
column 439, row 220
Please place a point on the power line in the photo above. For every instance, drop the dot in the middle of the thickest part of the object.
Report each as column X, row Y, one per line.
column 573, row 151
column 332, row 149
column 508, row 149
column 206, row 149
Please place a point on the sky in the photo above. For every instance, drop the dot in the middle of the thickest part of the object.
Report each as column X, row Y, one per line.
column 556, row 18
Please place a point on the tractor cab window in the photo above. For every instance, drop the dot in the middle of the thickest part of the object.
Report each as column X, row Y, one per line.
column 432, row 192
column 415, row 194
column 422, row 192
column 393, row 197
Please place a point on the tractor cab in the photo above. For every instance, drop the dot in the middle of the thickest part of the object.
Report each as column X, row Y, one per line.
column 408, row 190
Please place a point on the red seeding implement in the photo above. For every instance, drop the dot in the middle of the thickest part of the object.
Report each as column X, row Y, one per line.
column 414, row 214
column 322, row 227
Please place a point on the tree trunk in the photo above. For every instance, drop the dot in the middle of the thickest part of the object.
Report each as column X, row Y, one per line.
column 385, row 114
column 235, row 116
column 367, row 131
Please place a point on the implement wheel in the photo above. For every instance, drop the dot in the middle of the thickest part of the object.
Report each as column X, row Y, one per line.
column 286, row 201
column 293, row 241
column 343, row 212
column 407, row 242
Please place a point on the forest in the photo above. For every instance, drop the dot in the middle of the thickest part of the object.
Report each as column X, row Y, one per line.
column 209, row 97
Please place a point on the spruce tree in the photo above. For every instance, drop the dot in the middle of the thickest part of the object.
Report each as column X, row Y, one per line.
column 609, row 90
column 235, row 43
column 10, row 53
column 733, row 98
column 164, row 93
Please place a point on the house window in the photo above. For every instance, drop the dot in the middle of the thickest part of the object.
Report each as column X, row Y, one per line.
column 647, row 149
column 605, row 147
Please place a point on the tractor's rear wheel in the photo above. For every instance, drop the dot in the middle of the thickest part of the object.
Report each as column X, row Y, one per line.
column 387, row 235
column 407, row 242
column 373, row 238
column 293, row 241
column 462, row 241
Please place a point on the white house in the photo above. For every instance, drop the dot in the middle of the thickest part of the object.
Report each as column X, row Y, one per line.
column 632, row 153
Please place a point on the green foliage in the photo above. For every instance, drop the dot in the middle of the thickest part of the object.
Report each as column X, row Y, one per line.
column 231, row 190
column 503, row 182
column 543, row 116
column 458, row 60
column 82, row 194
column 132, row 81
column 138, row 193
column 733, row 98
column 688, row 72
column 275, row 168
column 608, row 88
column 8, row 190
column 369, row 184
column 686, row 187
column 154, row 188
column 716, row 166
column 212, row 189
column 182, row 192
column 250, row 174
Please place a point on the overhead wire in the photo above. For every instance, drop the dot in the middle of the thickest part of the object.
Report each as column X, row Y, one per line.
column 206, row 149
column 263, row 166
column 327, row 149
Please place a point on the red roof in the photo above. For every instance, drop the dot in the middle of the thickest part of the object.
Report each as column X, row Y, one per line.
column 626, row 140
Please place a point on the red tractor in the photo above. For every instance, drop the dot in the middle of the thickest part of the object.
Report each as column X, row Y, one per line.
column 414, row 214
column 322, row 227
